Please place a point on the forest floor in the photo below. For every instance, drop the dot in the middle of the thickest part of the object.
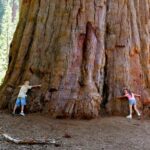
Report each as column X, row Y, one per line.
column 107, row 133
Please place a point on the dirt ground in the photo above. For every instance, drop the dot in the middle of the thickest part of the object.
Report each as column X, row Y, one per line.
column 107, row 133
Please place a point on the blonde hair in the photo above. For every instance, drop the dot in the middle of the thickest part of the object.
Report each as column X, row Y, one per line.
column 27, row 81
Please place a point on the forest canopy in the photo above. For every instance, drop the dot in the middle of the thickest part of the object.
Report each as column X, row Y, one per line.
column 8, row 20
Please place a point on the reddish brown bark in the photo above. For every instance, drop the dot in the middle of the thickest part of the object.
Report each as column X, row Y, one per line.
column 79, row 51
column 127, row 50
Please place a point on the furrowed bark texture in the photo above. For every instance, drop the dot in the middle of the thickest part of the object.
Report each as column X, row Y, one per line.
column 127, row 51
column 79, row 50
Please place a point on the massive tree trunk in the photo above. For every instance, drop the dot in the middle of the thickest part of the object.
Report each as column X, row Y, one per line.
column 127, row 51
column 79, row 50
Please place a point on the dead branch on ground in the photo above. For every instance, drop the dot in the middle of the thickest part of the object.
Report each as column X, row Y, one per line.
column 31, row 141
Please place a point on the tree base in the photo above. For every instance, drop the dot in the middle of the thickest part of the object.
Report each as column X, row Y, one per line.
column 86, row 108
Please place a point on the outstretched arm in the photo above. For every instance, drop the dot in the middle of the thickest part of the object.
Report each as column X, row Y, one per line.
column 34, row 86
column 121, row 96
column 137, row 95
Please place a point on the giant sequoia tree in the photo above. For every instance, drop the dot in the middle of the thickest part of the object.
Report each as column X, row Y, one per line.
column 79, row 50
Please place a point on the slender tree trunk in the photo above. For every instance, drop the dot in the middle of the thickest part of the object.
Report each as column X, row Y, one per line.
column 14, row 9
column 79, row 50
column 20, row 3
column 2, row 11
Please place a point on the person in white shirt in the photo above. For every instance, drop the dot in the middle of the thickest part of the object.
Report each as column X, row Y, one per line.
column 21, row 99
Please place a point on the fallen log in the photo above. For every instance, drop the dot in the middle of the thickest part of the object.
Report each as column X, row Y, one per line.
column 31, row 141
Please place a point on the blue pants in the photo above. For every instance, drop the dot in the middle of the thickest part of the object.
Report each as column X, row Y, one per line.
column 21, row 101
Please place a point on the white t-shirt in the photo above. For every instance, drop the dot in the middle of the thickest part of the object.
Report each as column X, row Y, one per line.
column 23, row 90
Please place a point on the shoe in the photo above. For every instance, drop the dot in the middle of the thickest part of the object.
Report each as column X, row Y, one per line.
column 13, row 114
column 139, row 116
column 22, row 114
column 129, row 117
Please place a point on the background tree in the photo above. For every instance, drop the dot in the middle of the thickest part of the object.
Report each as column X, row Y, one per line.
column 8, row 22
column 1, row 13
column 79, row 50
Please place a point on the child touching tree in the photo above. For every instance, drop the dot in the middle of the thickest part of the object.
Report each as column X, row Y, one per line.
column 21, row 99
column 132, row 102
